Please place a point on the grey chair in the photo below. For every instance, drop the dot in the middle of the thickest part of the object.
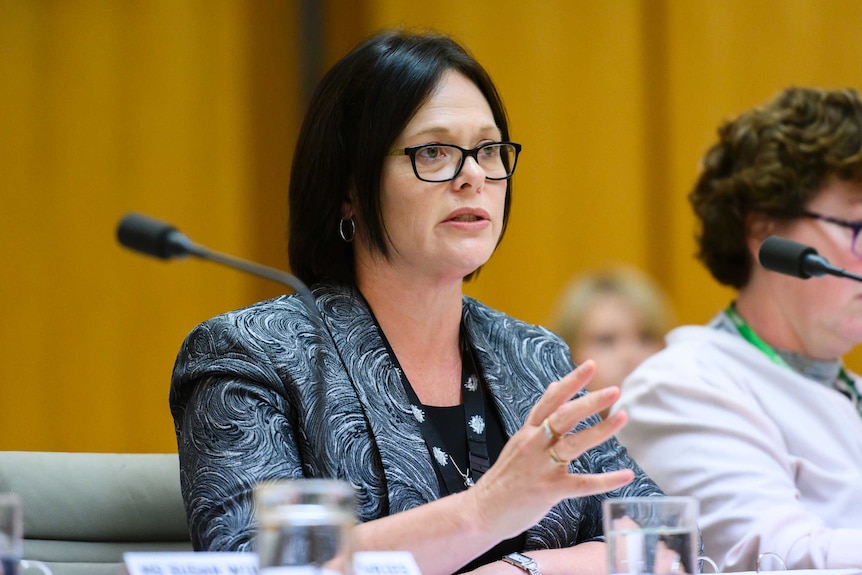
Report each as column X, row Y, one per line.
column 83, row 510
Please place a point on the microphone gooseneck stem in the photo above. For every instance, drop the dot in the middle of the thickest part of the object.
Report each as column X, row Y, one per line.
column 845, row 274
column 158, row 239
column 269, row 273
column 816, row 265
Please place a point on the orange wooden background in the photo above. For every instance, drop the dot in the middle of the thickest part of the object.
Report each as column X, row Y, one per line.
column 188, row 109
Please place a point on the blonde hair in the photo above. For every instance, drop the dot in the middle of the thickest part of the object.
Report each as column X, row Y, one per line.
column 630, row 284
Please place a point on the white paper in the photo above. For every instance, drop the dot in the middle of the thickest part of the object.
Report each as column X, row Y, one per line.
column 190, row 563
column 385, row 563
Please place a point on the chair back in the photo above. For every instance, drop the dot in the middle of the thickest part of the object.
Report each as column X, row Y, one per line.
column 82, row 511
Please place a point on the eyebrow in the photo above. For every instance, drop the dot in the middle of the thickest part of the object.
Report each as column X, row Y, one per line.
column 441, row 131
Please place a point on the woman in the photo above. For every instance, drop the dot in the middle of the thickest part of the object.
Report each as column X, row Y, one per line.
column 765, row 421
column 433, row 406
column 617, row 317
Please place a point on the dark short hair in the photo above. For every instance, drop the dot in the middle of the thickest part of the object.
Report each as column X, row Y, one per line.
column 772, row 160
column 359, row 109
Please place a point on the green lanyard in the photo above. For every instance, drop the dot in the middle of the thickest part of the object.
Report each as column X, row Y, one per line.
column 845, row 383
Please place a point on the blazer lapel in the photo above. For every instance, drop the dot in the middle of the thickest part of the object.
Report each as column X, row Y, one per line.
column 406, row 464
column 510, row 399
column 514, row 385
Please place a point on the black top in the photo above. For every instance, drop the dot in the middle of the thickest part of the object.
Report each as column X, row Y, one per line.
column 451, row 424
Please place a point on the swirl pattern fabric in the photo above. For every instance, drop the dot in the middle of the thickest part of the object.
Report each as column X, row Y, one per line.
column 268, row 392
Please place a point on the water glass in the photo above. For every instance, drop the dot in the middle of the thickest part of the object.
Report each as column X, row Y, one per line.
column 12, row 538
column 303, row 526
column 651, row 535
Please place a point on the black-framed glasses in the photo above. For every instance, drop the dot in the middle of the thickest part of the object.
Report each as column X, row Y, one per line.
column 443, row 162
column 856, row 246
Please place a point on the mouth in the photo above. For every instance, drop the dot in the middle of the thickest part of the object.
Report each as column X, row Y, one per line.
column 468, row 215
column 466, row 218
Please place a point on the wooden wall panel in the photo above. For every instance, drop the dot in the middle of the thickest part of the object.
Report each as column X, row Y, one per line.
column 572, row 77
column 117, row 107
column 188, row 110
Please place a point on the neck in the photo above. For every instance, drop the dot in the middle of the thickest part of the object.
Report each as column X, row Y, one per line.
column 779, row 324
column 422, row 323
column 765, row 316
column 415, row 313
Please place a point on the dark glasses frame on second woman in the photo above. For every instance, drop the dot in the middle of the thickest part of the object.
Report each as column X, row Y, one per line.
column 855, row 226
column 507, row 152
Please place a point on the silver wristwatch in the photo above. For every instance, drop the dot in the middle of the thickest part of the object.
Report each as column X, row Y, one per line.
column 521, row 561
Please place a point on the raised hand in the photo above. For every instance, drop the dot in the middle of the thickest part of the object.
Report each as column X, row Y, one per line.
column 531, row 475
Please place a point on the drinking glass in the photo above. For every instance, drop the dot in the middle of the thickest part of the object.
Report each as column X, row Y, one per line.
column 12, row 538
column 303, row 526
column 651, row 535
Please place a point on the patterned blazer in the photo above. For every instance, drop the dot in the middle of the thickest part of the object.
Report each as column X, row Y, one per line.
column 268, row 392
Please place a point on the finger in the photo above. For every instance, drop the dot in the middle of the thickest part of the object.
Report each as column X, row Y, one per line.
column 585, row 484
column 623, row 523
column 573, row 445
column 666, row 559
column 568, row 415
column 560, row 391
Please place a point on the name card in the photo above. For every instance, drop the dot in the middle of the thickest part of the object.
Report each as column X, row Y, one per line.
column 384, row 563
column 224, row 563
column 190, row 563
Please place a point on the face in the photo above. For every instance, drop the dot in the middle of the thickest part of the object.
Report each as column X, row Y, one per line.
column 442, row 231
column 613, row 334
column 823, row 314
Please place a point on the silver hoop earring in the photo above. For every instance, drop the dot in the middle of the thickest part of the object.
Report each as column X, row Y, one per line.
column 347, row 234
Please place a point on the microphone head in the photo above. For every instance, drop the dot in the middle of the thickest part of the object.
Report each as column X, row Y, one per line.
column 786, row 256
column 152, row 237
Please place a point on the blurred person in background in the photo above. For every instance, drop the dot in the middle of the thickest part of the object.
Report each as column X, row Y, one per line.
column 617, row 316
column 755, row 414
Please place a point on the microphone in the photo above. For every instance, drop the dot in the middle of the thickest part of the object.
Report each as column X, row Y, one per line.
column 798, row 260
column 159, row 239
column 152, row 237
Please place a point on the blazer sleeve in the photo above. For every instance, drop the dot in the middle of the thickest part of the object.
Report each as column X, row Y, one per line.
column 236, row 423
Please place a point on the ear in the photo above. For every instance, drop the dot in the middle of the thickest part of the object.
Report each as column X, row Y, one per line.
column 346, row 210
column 758, row 227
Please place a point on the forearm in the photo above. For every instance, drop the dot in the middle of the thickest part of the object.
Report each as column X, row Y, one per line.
column 443, row 536
column 585, row 559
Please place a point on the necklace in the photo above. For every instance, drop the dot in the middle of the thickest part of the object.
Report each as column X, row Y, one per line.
column 451, row 478
column 468, row 481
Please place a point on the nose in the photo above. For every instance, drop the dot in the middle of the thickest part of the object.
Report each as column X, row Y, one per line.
column 471, row 174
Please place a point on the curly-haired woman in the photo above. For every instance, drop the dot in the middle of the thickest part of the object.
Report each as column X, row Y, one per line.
column 755, row 414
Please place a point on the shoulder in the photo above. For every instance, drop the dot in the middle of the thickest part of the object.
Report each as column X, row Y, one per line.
column 697, row 349
column 523, row 346
column 501, row 327
column 253, row 328
column 268, row 326
column 705, row 367
column 257, row 340
column 497, row 323
column 238, row 345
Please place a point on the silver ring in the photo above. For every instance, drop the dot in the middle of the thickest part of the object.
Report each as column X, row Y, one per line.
column 549, row 431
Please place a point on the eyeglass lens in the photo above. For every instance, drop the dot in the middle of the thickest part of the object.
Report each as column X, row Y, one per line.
column 442, row 163
column 854, row 227
column 856, row 247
